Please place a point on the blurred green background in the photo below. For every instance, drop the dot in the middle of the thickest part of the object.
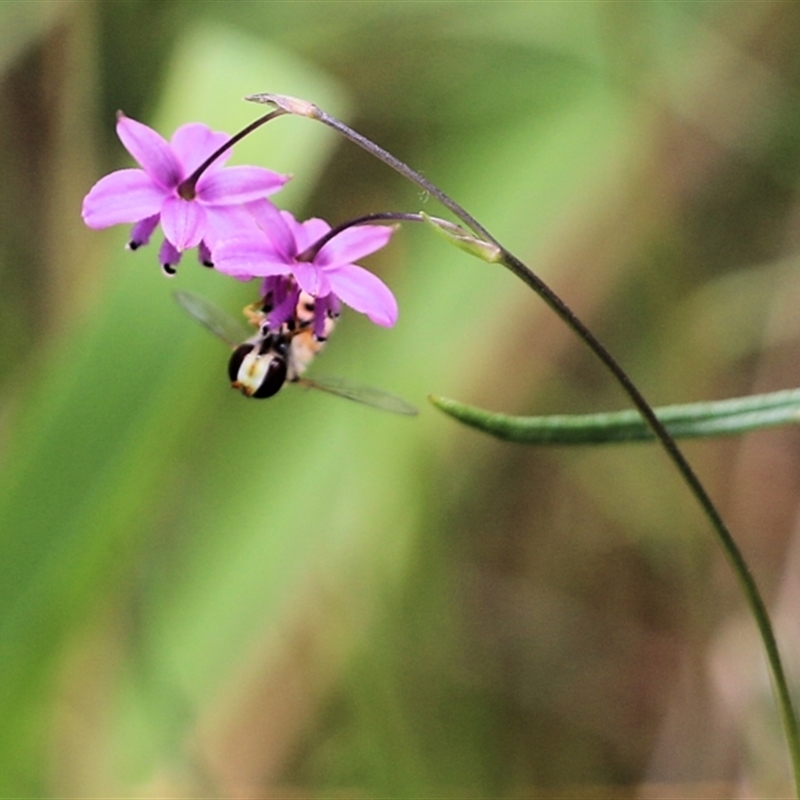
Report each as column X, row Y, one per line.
column 202, row 596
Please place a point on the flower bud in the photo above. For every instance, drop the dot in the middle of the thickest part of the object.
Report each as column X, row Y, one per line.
column 464, row 240
column 291, row 105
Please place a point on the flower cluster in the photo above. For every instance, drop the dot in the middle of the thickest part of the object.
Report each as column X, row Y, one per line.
column 184, row 186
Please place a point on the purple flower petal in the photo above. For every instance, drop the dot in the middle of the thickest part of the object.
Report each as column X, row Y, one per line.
column 151, row 152
column 127, row 195
column 311, row 279
column 248, row 256
column 227, row 222
column 353, row 244
column 276, row 226
column 308, row 232
column 193, row 143
column 183, row 222
column 364, row 292
column 238, row 185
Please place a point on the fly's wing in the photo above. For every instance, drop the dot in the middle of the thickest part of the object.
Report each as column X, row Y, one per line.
column 361, row 394
column 212, row 317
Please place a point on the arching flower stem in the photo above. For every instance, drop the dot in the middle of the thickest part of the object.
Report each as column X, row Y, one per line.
column 310, row 253
column 186, row 189
column 737, row 561
column 292, row 105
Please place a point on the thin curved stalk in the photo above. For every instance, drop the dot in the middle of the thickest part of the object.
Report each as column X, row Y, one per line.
column 735, row 558
column 753, row 597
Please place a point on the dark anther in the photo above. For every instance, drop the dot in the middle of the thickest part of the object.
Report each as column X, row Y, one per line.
column 169, row 270
column 132, row 245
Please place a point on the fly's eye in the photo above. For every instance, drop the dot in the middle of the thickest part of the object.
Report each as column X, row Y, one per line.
column 272, row 379
column 236, row 359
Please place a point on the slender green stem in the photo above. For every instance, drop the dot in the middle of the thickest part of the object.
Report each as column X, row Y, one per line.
column 292, row 105
column 729, row 546
column 731, row 549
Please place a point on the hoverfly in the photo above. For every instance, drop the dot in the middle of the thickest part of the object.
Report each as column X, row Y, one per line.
column 261, row 364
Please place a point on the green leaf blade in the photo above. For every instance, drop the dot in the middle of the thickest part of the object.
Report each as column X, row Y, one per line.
column 731, row 417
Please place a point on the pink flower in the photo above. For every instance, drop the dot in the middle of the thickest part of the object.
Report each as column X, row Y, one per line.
column 192, row 213
column 284, row 247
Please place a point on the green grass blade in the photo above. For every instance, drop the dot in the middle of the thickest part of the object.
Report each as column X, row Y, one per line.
column 730, row 417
